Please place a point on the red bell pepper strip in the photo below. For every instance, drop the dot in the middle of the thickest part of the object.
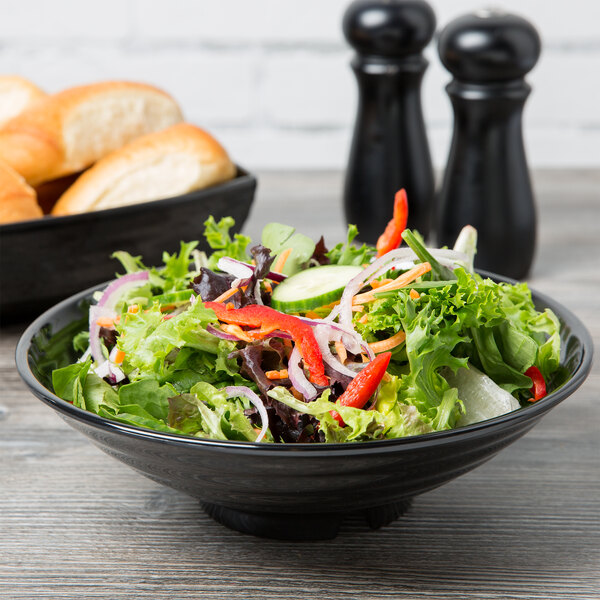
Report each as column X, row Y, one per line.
column 539, row 385
column 363, row 386
column 269, row 319
column 391, row 238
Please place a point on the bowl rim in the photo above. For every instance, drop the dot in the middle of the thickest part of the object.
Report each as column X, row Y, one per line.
column 527, row 413
column 242, row 177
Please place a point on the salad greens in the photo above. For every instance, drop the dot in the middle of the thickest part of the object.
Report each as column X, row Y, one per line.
column 194, row 348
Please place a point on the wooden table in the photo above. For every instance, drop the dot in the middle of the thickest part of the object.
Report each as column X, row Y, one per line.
column 75, row 523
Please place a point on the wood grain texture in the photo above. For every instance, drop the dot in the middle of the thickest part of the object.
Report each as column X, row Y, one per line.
column 74, row 523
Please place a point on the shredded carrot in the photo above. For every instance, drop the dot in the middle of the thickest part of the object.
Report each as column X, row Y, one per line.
column 120, row 355
column 401, row 282
column 414, row 294
column 364, row 318
column 105, row 322
column 329, row 306
column 268, row 287
column 385, row 345
column 341, row 351
column 258, row 334
column 133, row 309
column 311, row 314
column 283, row 374
column 237, row 331
column 377, row 284
column 118, row 319
column 225, row 295
column 280, row 262
column 358, row 308
column 167, row 307
column 267, row 329
column 365, row 358
column 229, row 306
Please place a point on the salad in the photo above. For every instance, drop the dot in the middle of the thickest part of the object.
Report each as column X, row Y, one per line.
column 287, row 341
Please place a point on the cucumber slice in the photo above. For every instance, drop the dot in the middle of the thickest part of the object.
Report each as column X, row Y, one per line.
column 312, row 288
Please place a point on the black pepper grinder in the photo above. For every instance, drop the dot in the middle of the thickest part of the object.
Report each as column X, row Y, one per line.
column 389, row 149
column 486, row 183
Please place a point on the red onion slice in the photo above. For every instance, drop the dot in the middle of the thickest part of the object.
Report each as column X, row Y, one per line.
column 297, row 377
column 377, row 268
column 221, row 334
column 113, row 354
column 257, row 294
column 234, row 267
column 275, row 276
column 323, row 337
column 117, row 372
column 102, row 370
column 241, row 390
column 344, row 309
column 351, row 339
column 243, row 270
column 277, row 333
column 106, row 307
column 107, row 369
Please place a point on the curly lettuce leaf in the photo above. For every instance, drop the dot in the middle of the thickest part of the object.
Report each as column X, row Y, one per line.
column 219, row 239
column 226, row 414
column 359, row 424
column 348, row 253
column 148, row 339
column 174, row 275
column 494, row 326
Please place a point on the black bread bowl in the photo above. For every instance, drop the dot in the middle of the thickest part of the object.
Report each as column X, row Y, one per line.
column 46, row 260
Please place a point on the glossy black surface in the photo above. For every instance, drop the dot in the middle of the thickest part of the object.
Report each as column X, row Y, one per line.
column 486, row 182
column 303, row 491
column 47, row 260
column 389, row 147
column 387, row 28
column 489, row 46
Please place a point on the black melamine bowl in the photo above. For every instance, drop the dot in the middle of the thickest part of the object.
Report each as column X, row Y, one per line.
column 300, row 491
column 46, row 260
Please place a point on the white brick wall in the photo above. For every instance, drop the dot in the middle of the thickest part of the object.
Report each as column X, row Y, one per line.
column 271, row 77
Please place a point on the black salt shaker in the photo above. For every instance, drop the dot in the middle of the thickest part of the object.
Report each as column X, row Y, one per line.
column 389, row 148
column 486, row 183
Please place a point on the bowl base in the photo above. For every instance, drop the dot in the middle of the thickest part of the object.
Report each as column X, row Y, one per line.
column 300, row 527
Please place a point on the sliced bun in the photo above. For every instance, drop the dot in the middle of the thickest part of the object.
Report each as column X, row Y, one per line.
column 17, row 199
column 16, row 94
column 67, row 132
column 159, row 165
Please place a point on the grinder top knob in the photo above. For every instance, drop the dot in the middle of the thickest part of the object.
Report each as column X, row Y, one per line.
column 389, row 28
column 489, row 46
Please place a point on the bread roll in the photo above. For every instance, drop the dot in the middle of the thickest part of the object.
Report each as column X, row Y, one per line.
column 67, row 132
column 16, row 94
column 17, row 199
column 159, row 165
